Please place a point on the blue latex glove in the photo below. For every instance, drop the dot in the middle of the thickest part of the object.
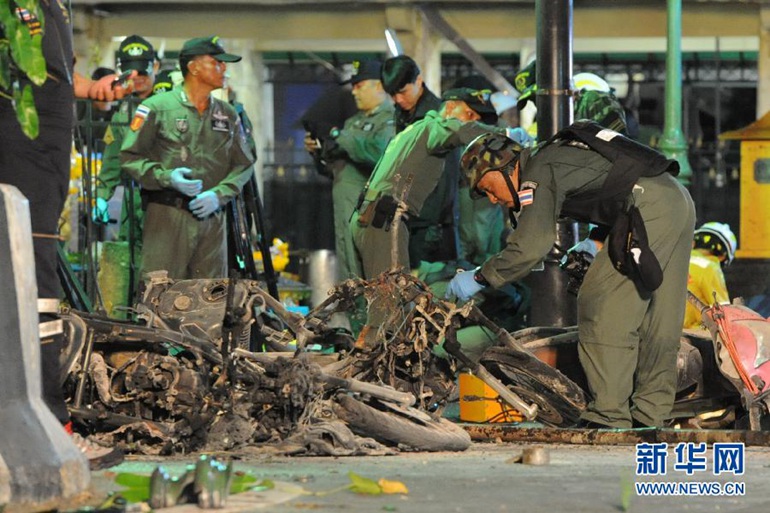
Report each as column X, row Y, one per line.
column 100, row 213
column 204, row 204
column 181, row 183
column 584, row 246
column 463, row 285
column 519, row 135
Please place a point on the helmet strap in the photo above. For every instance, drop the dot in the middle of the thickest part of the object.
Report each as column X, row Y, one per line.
column 516, row 208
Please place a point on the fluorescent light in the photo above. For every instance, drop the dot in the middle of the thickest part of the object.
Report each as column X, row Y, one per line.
column 394, row 45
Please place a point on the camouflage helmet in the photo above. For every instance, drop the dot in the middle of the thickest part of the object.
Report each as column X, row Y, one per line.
column 487, row 152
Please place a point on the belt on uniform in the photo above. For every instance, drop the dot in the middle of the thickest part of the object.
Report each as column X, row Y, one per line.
column 166, row 197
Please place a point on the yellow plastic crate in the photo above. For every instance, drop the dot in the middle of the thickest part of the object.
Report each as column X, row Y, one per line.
column 479, row 403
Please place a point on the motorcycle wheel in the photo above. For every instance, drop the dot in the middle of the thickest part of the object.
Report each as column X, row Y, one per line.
column 401, row 426
column 560, row 401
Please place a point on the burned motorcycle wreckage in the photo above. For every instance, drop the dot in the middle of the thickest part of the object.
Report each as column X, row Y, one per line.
column 182, row 378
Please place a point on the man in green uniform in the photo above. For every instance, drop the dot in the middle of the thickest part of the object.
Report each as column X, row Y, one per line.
column 629, row 324
column 350, row 155
column 134, row 53
column 432, row 233
column 407, row 173
column 188, row 152
column 594, row 100
column 481, row 223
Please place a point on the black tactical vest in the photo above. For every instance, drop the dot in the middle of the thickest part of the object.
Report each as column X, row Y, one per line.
column 630, row 161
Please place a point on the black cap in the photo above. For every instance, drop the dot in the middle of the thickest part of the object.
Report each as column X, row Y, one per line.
column 525, row 83
column 135, row 52
column 163, row 82
column 365, row 70
column 207, row 46
column 478, row 100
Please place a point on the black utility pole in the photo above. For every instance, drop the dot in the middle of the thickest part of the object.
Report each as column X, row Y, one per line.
column 551, row 304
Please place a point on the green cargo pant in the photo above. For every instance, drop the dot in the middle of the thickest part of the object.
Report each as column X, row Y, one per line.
column 344, row 198
column 629, row 338
column 185, row 246
column 375, row 247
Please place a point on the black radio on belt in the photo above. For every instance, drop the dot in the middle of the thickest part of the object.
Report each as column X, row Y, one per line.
column 384, row 212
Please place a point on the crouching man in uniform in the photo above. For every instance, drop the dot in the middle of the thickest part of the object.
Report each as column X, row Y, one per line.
column 631, row 303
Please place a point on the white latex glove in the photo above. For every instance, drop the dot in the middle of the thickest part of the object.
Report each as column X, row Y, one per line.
column 181, row 183
column 204, row 204
column 463, row 286
column 100, row 213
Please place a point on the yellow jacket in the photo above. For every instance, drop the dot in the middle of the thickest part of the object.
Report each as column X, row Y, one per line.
column 705, row 279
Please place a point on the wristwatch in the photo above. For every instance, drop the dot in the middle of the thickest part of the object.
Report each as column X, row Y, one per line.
column 479, row 278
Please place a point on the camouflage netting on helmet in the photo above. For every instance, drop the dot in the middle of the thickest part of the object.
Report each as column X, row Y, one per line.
column 487, row 152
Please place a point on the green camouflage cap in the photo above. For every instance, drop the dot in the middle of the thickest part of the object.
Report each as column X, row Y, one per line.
column 487, row 152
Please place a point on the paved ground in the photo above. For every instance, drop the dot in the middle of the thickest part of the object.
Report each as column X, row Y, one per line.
column 590, row 479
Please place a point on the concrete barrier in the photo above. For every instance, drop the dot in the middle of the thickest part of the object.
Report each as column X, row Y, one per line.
column 40, row 467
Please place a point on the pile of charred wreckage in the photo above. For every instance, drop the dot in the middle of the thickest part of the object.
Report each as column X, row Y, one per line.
column 180, row 377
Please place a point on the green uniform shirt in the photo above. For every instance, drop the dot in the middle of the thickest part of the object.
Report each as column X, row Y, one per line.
column 414, row 159
column 360, row 145
column 363, row 140
column 167, row 132
column 552, row 175
column 109, row 174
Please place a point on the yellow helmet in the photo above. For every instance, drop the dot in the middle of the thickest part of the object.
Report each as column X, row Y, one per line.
column 717, row 238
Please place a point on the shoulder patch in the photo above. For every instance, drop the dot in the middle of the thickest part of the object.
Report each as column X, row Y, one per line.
column 529, row 185
column 109, row 138
column 30, row 20
column 607, row 135
column 139, row 116
column 526, row 197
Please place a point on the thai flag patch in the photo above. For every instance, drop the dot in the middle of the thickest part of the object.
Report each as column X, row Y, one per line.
column 30, row 20
column 526, row 197
column 139, row 116
column 24, row 14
